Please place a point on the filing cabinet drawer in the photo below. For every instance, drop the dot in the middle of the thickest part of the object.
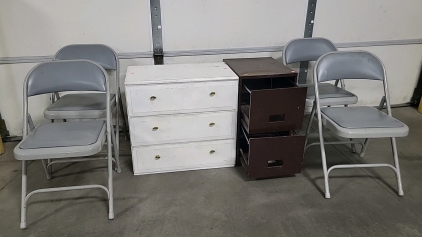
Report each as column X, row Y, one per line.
column 181, row 98
column 180, row 157
column 272, row 105
column 272, row 155
column 182, row 128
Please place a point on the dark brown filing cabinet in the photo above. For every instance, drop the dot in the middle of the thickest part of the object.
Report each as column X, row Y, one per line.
column 271, row 108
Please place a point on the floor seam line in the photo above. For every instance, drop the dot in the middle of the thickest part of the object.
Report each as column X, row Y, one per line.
column 1, row 189
column 17, row 173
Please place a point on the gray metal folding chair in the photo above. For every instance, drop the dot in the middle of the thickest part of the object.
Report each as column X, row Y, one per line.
column 308, row 50
column 65, row 139
column 89, row 105
column 360, row 121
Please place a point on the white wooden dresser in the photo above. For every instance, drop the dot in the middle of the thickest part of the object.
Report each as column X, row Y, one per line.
column 181, row 116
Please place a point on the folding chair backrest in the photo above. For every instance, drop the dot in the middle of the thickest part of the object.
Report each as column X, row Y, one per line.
column 349, row 65
column 306, row 49
column 99, row 53
column 73, row 75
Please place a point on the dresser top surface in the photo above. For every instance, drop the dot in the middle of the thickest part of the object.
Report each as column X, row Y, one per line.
column 176, row 73
column 251, row 68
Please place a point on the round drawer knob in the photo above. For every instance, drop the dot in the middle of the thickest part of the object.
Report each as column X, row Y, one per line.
column 212, row 152
column 212, row 124
column 212, row 94
column 157, row 157
column 152, row 98
column 154, row 128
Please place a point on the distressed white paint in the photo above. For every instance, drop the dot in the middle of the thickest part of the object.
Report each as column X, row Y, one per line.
column 175, row 128
column 181, row 73
column 183, row 112
column 185, row 156
column 154, row 99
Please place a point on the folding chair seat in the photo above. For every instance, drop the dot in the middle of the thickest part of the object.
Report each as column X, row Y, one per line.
column 79, row 106
column 360, row 121
column 80, row 138
column 90, row 105
column 309, row 50
column 64, row 140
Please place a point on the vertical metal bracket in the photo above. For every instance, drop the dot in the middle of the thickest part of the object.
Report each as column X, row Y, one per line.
column 309, row 29
column 157, row 36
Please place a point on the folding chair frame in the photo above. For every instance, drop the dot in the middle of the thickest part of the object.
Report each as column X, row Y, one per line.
column 342, row 86
column 326, row 171
column 26, row 126
column 48, row 165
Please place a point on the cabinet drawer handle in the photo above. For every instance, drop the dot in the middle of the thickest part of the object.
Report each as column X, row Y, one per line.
column 212, row 152
column 152, row 98
column 157, row 157
column 154, row 128
column 212, row 94
column 212, row 124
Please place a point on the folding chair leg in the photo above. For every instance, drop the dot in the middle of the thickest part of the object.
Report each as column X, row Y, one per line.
column 396, row 164
column 324, row 159
column 324, row 169
column 116, row 150
column 50, row 166
column 46, row 168
column 110, row 178
column 308, row 128
column 23, row 201
column 365, row 145
column 352, row 146
column 122, row 113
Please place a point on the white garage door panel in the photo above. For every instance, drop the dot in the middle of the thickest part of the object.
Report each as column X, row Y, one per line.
column 363, row 20
column 41, row 27
column 207, row 24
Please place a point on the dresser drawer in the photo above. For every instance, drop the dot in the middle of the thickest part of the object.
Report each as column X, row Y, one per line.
column 272, row 105
column 186, row 156
column 271, row 155
column 181, row 98
column 182, row 128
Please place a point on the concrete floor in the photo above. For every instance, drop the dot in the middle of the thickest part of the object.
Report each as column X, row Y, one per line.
column 222, row 202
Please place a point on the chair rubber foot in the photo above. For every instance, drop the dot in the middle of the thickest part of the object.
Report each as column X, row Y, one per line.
column 327, row 195
column 110, row 216
column 23, row 225
column 401, row 194
column 119, row 170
